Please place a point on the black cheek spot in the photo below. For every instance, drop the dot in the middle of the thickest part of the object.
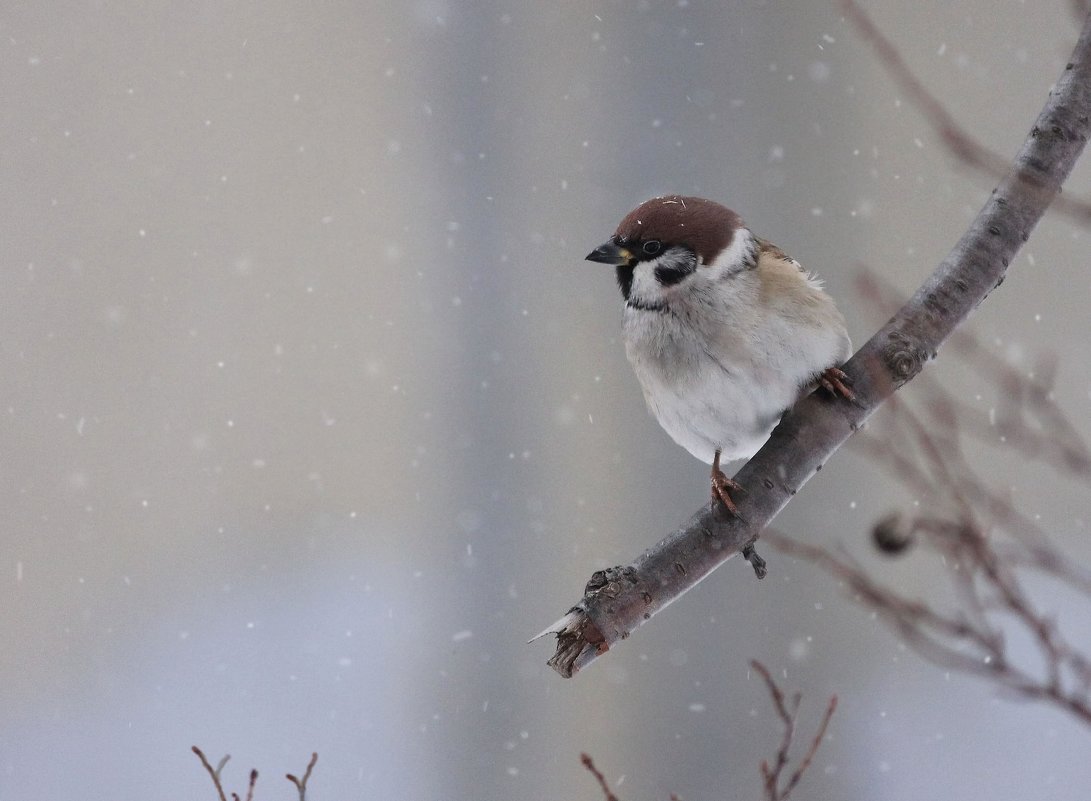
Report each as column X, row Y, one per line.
column 669, row 276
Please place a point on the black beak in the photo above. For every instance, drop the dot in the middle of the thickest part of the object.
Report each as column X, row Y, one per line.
column 610, row 253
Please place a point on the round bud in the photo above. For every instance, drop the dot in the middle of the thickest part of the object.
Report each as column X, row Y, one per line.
column 893, row 534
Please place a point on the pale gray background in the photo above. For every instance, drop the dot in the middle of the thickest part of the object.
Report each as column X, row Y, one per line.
column 312, row 412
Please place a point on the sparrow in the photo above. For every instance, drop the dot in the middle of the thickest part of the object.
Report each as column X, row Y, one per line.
column 724, row 330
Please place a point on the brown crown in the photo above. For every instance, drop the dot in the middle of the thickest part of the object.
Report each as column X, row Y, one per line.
column 703, row 225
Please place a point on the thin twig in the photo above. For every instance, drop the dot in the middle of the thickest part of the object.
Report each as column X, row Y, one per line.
column 301, row 785
column 819, row 736
column 1027, row 417
column 771, row 775
column 213, row 772
column 588, row 763
column 216, row 774
column 969, row 640
column 957, row 139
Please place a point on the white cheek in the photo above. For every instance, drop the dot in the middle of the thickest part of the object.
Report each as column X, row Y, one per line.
column 732, row 257
column 645, row 284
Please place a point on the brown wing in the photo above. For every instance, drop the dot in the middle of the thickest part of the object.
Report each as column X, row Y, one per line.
column 768, row 249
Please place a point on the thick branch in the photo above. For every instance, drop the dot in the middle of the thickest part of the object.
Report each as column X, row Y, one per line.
column 618, row 600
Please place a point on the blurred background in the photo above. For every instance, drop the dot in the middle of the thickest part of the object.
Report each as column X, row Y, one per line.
column 312, row 412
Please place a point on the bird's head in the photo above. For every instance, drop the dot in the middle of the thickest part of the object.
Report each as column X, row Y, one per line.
column 669, row 245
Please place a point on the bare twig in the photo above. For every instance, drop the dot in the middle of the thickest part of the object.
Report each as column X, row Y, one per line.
column 989, row 542
column 774, row 788
column 588, row 763
column 301, row 784
column 985, row 543
column 213, row 772
column 787, row 712
column 955, row 138
column 971, row 639
column 617, row 601
column 250, row 788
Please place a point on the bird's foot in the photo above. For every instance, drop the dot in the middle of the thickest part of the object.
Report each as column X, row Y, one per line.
column 837, row 383
column 722, row 487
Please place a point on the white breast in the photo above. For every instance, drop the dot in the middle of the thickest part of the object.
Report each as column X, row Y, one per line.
column 704, row 404
column 718, row 376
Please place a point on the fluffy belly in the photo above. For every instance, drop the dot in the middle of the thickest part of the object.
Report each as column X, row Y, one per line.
column 719, row 414
column 730, row 401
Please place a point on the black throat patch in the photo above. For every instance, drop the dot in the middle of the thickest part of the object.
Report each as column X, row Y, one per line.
column 650, row 307
column 625, row 279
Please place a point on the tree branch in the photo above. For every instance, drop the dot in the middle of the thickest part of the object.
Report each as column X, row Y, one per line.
column 618, row 600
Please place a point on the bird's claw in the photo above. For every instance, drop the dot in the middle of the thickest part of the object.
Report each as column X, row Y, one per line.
column 721, row 485
column 837, row 382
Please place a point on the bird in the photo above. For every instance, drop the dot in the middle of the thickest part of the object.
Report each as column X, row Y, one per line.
column 724, row 330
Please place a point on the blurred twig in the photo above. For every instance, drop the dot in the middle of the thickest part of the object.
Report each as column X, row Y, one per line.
column 985, row 544
column 955, row 138
column 588, row 763
column 970, row 638
column 787, row 711
column 1026, row 416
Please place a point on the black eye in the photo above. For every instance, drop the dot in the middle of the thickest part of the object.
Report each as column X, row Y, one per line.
column 652, row 247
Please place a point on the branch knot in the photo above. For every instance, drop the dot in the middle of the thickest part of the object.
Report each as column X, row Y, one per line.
column 903, row 358
column 609, row 581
